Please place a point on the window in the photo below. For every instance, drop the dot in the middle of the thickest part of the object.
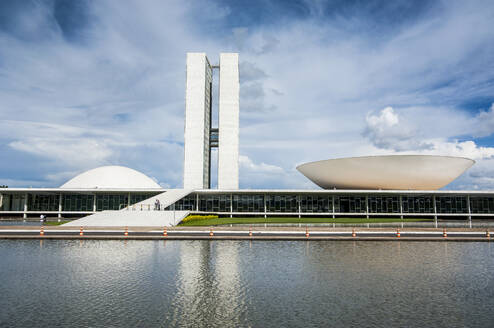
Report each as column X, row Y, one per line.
column 315, row 204
column 77, row 203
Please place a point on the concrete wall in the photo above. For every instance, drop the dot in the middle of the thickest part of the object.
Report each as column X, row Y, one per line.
column 197, row 121
column 228, row 146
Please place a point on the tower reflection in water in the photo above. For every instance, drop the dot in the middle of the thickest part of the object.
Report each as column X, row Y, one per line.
column 208, row 284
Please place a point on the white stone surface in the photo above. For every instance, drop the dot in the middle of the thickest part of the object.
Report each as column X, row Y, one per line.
column 229, row 108
column 197, row 118
column 166, row 198
column 118, row 177
column 141, row 214
column 399, row 172
column 130, row 219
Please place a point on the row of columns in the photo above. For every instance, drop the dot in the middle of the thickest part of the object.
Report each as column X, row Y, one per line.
column 59, row 214
column 60, row 204
column 265, row 205
column 469, row 214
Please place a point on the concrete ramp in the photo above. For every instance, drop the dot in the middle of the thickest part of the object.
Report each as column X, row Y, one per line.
column 131, row 219
column 141, row 214
column 166, row 199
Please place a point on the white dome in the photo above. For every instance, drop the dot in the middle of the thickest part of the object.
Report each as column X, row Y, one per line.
column 111, row 177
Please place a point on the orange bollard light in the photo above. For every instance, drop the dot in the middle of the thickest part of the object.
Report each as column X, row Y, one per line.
column 81, row 232
column 488, row 234
column 353, row 233
column 444, row 233
column 165, row 233
column 42, row 231
column 250, row 232
column 306, row 232
column 398, row 234
column 126, row 232
column 211, row 232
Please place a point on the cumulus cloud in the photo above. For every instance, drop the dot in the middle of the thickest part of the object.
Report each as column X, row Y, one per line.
column 467, row 149
column 385, row 131
column 484, row 123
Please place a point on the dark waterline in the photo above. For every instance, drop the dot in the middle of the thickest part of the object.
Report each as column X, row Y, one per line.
column 242, row 283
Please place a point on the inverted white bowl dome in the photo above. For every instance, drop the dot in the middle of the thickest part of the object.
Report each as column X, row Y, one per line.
column 111, row 177
column 399, row 172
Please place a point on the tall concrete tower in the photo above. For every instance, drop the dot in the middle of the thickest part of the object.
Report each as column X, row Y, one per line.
column 197, row 162
column 200, row 136
column 228, row 122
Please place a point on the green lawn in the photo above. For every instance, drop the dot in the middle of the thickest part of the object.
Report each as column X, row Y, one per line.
column 222, row 221
column 55, row 223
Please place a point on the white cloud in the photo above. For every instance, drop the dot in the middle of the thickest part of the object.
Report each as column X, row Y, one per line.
column 262, row 175
column 73, row 152
column 467, row 149
column 484, row 123
column 385, row 131
column 262, row 168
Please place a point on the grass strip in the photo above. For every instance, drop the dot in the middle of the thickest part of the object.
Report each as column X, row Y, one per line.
column 281, row 220
column 55, row 223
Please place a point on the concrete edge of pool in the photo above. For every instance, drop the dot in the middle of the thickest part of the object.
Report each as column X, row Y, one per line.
column 245, row 233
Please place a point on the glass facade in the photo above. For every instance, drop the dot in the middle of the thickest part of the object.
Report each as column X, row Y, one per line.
column 384, row 204
column 282, row 203
column 248, row 203
column 417, row 204
column 188, row 203
column 451, row 204
column 259, row 203
column 481, row 205
column 136, row 198
column 316, row 204
column 77, row 203
column 350, row 204
column 47, row 203
column 215, row 203
column 12, row 202
column 111, row 201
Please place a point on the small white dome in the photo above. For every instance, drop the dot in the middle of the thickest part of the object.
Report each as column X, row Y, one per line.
column 111, row 177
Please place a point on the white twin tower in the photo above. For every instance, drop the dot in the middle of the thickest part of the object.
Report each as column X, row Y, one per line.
column 200, row 136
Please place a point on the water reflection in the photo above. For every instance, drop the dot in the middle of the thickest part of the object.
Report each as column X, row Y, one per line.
column 50, row 283
column 230, row 299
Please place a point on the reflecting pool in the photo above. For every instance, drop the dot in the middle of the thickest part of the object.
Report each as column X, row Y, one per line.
column 92, row 283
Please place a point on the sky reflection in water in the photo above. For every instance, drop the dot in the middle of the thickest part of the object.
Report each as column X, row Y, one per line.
column 243, row 283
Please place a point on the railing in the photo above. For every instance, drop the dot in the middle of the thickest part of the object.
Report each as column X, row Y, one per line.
column 145, row 207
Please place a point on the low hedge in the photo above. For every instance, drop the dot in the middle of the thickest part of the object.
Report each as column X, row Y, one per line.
column 191, row 218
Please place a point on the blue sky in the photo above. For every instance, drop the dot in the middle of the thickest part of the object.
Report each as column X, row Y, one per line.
column 90, row 83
